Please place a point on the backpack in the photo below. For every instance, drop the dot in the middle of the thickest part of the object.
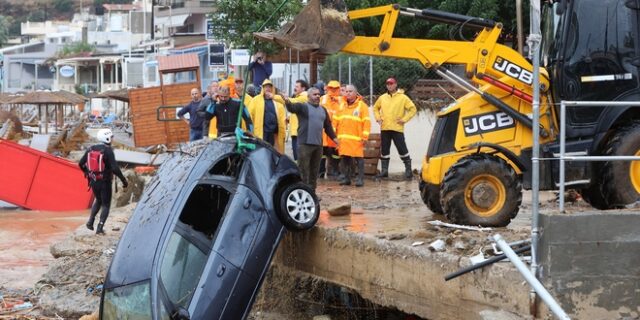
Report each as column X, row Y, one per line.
column 95, row 164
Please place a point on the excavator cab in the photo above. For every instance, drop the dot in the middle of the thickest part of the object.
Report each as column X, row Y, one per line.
column 597, row 60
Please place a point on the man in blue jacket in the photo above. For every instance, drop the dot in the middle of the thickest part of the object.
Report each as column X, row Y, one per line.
column 261, row 68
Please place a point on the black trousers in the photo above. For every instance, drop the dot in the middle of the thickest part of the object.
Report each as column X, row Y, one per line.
column 398, row 140
column 309, row 162
column 294, row 147
column 102, row 190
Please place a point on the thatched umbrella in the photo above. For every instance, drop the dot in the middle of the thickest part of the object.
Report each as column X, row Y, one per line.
column 119, row 95
column 58, row 99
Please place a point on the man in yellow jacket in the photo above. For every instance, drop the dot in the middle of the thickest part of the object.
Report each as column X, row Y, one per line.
column 268, row 115
column 353, row 125
column 333, row 102
column 299, row 96
column 392, row 110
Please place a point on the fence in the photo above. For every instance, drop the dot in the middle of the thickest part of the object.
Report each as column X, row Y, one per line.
column 564, row 157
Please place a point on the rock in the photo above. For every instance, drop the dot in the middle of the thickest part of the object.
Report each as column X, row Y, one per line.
column 397, row 236
column 133, row 192
column 459, row 245
column 438, row 245
column 341, row 210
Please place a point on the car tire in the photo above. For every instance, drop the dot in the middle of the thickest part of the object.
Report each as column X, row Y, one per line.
column 298, row 207
column 620, row 180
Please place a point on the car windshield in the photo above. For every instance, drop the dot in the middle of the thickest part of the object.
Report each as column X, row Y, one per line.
column 128, row 302
column 181, row 269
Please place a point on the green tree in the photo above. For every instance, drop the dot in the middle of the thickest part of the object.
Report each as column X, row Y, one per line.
column 75, row 48
column 235, row 20
column 5, row 24
column 63, row 5
column 406, row 71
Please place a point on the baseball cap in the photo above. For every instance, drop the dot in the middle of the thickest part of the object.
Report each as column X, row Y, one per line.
column 333, row 84
column 391, row 80
column 267, row 82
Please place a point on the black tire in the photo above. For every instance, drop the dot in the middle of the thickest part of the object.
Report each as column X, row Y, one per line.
column 298, row 207
column 430, row 197
column 616, row 184
column 476, row 178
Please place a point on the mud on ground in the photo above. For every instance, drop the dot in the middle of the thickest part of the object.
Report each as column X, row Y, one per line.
column 389, row 210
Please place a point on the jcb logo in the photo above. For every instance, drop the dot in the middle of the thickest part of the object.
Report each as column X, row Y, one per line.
column 487, row 122
column 513, row 70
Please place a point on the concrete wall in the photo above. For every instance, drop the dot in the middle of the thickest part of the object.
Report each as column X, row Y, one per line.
column 410, row 279
column 590, row 263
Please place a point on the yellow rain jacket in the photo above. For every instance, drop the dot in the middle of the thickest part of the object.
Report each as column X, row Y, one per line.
column 293, row 119
column 391, row 108
column 256, row 111
column 353, row 125
column 333, row 104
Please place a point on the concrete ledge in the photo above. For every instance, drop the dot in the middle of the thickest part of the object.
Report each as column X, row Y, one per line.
column 590, row 263
column 410, row 279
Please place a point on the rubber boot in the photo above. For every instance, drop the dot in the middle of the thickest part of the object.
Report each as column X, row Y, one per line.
column 384, row 172
column 334, row 168
column 345, row 163
column 92, row 217
column 408, row 174
column 89, row 224
column 100, row 229
column 360, row 178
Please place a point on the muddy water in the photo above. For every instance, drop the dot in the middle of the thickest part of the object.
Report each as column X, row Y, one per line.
column 25, row 237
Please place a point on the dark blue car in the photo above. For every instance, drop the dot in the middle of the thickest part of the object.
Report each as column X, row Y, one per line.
column 202, row 236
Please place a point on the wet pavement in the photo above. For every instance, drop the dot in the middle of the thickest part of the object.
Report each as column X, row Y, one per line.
column 25, row 237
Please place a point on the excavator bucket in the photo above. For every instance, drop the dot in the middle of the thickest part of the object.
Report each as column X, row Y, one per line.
column 322, row 25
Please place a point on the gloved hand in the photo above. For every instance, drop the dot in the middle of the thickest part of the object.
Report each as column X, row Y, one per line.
column 125, row 183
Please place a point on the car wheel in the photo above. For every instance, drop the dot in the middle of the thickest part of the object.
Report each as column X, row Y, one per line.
column 481, row 189
column 298, row 207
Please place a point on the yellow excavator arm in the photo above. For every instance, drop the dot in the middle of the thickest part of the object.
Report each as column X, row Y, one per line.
column 325, row 26
column 483, row 56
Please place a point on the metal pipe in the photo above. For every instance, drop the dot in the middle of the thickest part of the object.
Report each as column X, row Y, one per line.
column 530, row 278
column 489, row 261
column 339, row 70
column 601, row 103
column 450, row 18
column 534, row 50
column 519, row 27
column 370, row 81
column 602, row 158
column 563, row 128
column 349, row 70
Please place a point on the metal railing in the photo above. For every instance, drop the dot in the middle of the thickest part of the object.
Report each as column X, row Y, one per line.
column 563, row 157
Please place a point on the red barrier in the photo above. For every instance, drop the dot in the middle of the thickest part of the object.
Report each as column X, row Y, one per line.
column 37, row 180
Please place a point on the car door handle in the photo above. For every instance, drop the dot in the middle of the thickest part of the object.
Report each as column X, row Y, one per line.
column 221, row 269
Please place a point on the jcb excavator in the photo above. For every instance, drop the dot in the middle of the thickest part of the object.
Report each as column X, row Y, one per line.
column 479, row 156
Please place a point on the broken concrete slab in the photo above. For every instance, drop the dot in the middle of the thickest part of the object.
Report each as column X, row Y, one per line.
column 136, row 157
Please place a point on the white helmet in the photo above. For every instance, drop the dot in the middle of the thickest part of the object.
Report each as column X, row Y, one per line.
column 105, row 136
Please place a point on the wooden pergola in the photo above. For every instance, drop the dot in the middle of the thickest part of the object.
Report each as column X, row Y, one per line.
column 44, row 100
